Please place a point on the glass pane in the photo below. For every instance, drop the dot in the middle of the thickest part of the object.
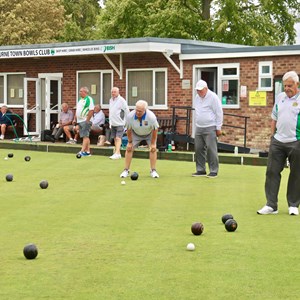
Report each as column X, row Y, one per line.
column 265, row 69
column 107, row 86
column 1, row 89
column 90, row 79
column 265, row 82
column 230, row 71
column 230, row 93
column 160, row 88
column 15, row 88
column 140, row 87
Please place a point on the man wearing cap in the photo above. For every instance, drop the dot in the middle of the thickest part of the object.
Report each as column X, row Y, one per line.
column 208, row 122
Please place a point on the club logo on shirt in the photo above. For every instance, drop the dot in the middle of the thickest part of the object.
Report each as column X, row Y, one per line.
column 145, row 123
column 295, row 104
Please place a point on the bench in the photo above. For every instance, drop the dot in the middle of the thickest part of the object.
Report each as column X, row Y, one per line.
column 165, row 128
column 16, row 128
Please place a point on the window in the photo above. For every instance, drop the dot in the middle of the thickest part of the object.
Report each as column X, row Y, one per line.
column 149, row 85
column 99, row 84
column 11, row 89
column 265, row 78
column 223, row 79
column 229, row 82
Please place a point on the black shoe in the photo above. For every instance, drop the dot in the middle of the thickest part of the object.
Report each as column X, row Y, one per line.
column 199, row 173
column 212, row 175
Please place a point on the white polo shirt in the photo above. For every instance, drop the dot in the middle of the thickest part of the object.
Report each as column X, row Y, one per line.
column 286, row 113
column 144, row 127
column 118, row 111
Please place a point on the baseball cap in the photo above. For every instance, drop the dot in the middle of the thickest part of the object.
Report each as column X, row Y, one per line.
column 200, row 85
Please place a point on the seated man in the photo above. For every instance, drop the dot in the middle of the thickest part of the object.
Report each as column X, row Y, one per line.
column 65, row 120
column 141, row 125
column 4, row 120
column 98, row 121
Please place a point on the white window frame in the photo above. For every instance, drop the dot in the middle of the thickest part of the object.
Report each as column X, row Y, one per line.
column 5, row 74
column 154, row 70
column 220, row 77
column 262, row 75
column 102, row 72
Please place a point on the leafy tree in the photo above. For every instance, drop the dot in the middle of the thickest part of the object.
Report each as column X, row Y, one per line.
column 248, row 22
column 30, row 21
column 80, row 18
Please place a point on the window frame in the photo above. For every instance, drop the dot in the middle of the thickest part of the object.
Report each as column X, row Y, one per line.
column 102, row 72
column 262, row 75
column 220, row 77
column 5, row 89
column 154, row 70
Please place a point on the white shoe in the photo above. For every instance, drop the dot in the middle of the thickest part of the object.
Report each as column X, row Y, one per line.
column 115, row 156
column 154, row 174
column 124, row 174
column 293, row 211
column 1, row 137
column 71, row 141
column 267, row 210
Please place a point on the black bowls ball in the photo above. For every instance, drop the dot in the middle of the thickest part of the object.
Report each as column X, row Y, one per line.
column 30, row 251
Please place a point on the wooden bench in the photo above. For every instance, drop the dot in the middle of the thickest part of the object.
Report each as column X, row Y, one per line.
column 165, row 127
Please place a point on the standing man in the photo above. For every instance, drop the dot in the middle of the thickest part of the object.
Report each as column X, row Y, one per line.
column 65, row 119
column 84, row 113
column 141, row 125
column 208, row 120
column 118, row 111
column 285, row 143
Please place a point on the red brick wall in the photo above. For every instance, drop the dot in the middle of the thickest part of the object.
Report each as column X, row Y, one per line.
column 258, row 132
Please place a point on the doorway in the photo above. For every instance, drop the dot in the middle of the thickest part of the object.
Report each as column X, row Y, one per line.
column 42, row 102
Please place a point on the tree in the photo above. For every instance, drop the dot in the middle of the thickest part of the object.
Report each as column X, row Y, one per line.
column 247, row 22
column 30, row 21
column 80, row 18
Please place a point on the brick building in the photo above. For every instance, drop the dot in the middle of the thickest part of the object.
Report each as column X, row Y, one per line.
column 36, row 79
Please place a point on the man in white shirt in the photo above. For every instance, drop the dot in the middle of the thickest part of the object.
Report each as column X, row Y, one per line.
column 285, row 144
column 84, row 113
column 141, row 125
column 208, row 120
column 118, row 111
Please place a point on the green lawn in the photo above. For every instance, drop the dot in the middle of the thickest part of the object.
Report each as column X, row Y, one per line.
column 98, row 239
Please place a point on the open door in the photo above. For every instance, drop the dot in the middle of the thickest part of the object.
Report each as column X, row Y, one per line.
column 42, row 102
column 32, row 106
column 52, row 101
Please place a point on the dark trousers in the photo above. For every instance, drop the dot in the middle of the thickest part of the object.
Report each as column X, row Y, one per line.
column 278, row 154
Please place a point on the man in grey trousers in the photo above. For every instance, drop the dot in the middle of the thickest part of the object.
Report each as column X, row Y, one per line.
column 208, row 121
column 285, row 144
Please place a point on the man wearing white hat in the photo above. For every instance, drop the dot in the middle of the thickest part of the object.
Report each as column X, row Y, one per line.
column 208, row 121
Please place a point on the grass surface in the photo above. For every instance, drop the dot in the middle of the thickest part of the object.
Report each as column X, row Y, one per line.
column 98, row 239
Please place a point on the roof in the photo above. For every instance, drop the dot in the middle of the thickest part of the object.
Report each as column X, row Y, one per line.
column 186, row 49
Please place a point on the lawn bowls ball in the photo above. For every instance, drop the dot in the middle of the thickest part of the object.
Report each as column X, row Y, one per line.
column 231, row 225
column 226, row 217
column 30, row 251
column 197, row 228
column 10, row 155
column 27, row 158
column 134, row 176
column 9, row 177
column 44, row 184
column 78, row 155
column 190, row 247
